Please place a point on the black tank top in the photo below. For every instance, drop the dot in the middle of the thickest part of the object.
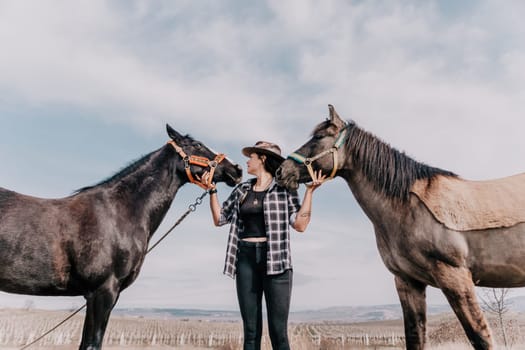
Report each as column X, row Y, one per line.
column 252, row 215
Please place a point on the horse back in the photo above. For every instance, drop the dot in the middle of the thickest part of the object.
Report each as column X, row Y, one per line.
column 60, row 246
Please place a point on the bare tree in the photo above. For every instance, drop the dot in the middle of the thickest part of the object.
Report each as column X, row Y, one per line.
column 495, row 301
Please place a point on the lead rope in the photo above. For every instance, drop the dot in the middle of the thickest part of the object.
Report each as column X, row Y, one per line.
column 191, row 208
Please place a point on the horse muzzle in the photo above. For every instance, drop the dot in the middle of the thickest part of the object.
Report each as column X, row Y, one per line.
column 287, row 175
column 234, row 178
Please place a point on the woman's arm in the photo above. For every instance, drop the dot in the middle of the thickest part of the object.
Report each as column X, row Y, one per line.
column 220, row 215
column 215, row 206
column 303, row 215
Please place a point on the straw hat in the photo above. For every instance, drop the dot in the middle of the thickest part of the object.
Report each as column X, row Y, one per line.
column 266, row 148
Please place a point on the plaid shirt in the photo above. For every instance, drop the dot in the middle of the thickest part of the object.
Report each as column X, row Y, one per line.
column 280, row 207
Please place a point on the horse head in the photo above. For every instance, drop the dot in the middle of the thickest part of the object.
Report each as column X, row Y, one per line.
column 198, row 158
column 322, row 152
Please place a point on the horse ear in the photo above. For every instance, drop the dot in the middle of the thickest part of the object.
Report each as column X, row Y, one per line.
column 175, row 136
column 334, row 117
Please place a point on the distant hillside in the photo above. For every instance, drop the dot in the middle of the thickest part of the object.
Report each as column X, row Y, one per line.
column 171, row 313
column 359, row 313
column 341, row 313
column 517, row 304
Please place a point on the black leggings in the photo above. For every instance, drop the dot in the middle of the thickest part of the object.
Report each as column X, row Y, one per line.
column 252, row 283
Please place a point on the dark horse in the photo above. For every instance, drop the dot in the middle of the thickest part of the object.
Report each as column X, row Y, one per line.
column 93, row 243
column 432, row 227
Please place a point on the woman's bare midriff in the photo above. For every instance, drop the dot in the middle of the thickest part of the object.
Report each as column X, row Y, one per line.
column 255, row 239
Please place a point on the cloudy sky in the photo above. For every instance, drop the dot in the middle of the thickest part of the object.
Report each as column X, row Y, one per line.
column 88, row 86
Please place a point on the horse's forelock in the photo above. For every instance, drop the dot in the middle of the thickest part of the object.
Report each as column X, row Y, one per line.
column 188, row 138
column 321, row 127
column 327, row 124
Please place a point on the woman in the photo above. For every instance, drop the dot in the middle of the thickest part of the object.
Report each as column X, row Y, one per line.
column 258, row 251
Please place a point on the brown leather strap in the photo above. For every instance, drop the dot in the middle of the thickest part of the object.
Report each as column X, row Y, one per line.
column 197, row 160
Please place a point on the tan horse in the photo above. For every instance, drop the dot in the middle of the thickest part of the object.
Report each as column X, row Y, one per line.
column 432, row 227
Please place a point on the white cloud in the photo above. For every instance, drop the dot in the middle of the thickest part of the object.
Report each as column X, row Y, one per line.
column 433, row 86
column 146, row 62
column 81, row 58
column 445, row 85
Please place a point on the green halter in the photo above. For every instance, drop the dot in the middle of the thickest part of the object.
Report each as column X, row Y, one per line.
column 308, row 161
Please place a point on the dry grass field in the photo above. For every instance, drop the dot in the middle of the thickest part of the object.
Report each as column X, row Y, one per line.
column 18, row 327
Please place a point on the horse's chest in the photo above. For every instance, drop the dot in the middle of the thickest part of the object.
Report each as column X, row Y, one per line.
column 387, row 249
column 398, row 251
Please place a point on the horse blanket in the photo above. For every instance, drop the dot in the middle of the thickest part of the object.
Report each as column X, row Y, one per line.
column 464, row 205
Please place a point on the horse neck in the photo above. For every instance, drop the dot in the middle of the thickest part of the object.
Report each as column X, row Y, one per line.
column 376, row 205
column 380, row 176
column 148, row 192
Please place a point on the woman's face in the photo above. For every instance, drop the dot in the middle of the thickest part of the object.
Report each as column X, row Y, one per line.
column 254, row 164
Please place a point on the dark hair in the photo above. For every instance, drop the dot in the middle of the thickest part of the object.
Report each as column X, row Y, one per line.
column 390, row 171
column 271, row 164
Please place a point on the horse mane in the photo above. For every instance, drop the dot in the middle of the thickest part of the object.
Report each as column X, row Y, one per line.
column 128, row 169
column 391, row 172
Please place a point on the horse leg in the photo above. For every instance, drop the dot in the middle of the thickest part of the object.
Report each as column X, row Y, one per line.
column 412, row 296
column 99, row 306
column 456, row 283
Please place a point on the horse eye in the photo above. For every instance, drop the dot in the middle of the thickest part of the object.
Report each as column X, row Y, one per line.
column 318, row 137
column 198, row 145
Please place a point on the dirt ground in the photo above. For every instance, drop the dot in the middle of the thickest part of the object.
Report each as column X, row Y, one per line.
column 75, row 347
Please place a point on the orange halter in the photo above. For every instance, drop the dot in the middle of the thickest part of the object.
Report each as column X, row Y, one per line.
column 197, row 160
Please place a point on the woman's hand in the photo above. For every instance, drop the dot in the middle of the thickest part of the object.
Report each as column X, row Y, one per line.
column 317, row 181
column 206, row 181
column 214, row 201
column 303, row 215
